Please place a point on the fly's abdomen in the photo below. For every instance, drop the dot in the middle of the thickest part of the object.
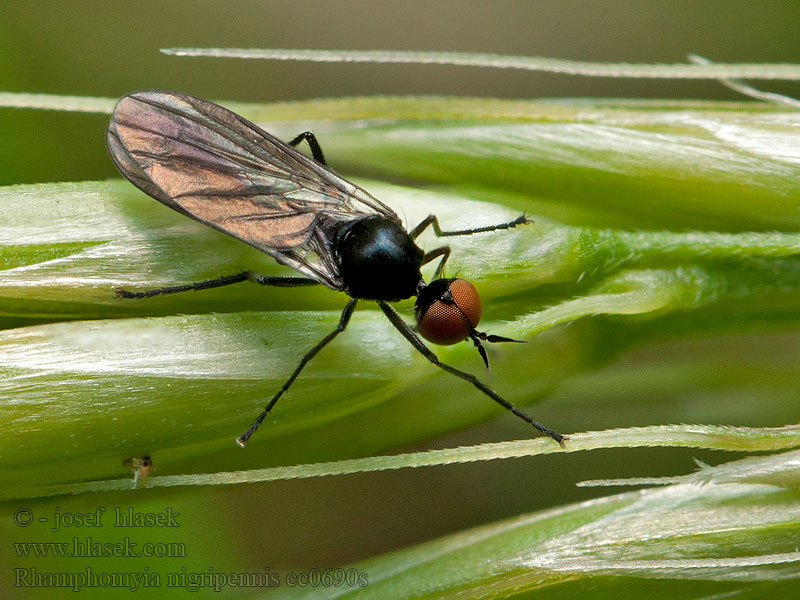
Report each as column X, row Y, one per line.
column 378, row 260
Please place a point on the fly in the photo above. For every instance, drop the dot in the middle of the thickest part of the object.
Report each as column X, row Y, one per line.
column 216, row 167
column 140, row 466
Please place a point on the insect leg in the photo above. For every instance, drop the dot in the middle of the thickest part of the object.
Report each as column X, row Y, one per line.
column 218, row 282
column 432, row 220
column 404, row 329
column 343, row 320
column 316, row 149
column 444, row 252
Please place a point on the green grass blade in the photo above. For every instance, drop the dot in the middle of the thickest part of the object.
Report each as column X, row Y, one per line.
column 681, row 541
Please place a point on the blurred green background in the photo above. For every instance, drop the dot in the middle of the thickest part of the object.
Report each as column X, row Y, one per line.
column 109, row 49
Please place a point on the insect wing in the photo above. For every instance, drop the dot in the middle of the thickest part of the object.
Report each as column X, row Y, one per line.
column 218, row 168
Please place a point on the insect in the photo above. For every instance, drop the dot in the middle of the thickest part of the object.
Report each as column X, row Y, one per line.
column 216, row 167
column 140, row 466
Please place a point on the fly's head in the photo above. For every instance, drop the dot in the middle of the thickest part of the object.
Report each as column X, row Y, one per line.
column 448, row 311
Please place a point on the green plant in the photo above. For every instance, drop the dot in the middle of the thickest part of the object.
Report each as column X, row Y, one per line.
column 668, row 228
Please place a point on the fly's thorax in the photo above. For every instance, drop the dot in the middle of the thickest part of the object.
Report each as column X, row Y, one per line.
column 447, row 311
column 377, row 259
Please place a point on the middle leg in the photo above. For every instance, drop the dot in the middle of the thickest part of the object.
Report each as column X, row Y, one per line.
column 343, row 320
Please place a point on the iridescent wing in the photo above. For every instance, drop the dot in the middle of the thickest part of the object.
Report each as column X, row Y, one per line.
column 222, row 170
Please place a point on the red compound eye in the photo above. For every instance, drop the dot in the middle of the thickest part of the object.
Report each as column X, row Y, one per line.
column 447, row 310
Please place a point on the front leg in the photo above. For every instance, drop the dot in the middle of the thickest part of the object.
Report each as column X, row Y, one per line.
column 433, row 220
column 444, row 252
column 409, row 334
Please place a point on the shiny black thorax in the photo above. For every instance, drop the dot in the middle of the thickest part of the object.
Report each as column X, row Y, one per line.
column 377, row 259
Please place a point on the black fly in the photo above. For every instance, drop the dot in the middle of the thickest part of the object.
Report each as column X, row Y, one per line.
column 218, row 168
